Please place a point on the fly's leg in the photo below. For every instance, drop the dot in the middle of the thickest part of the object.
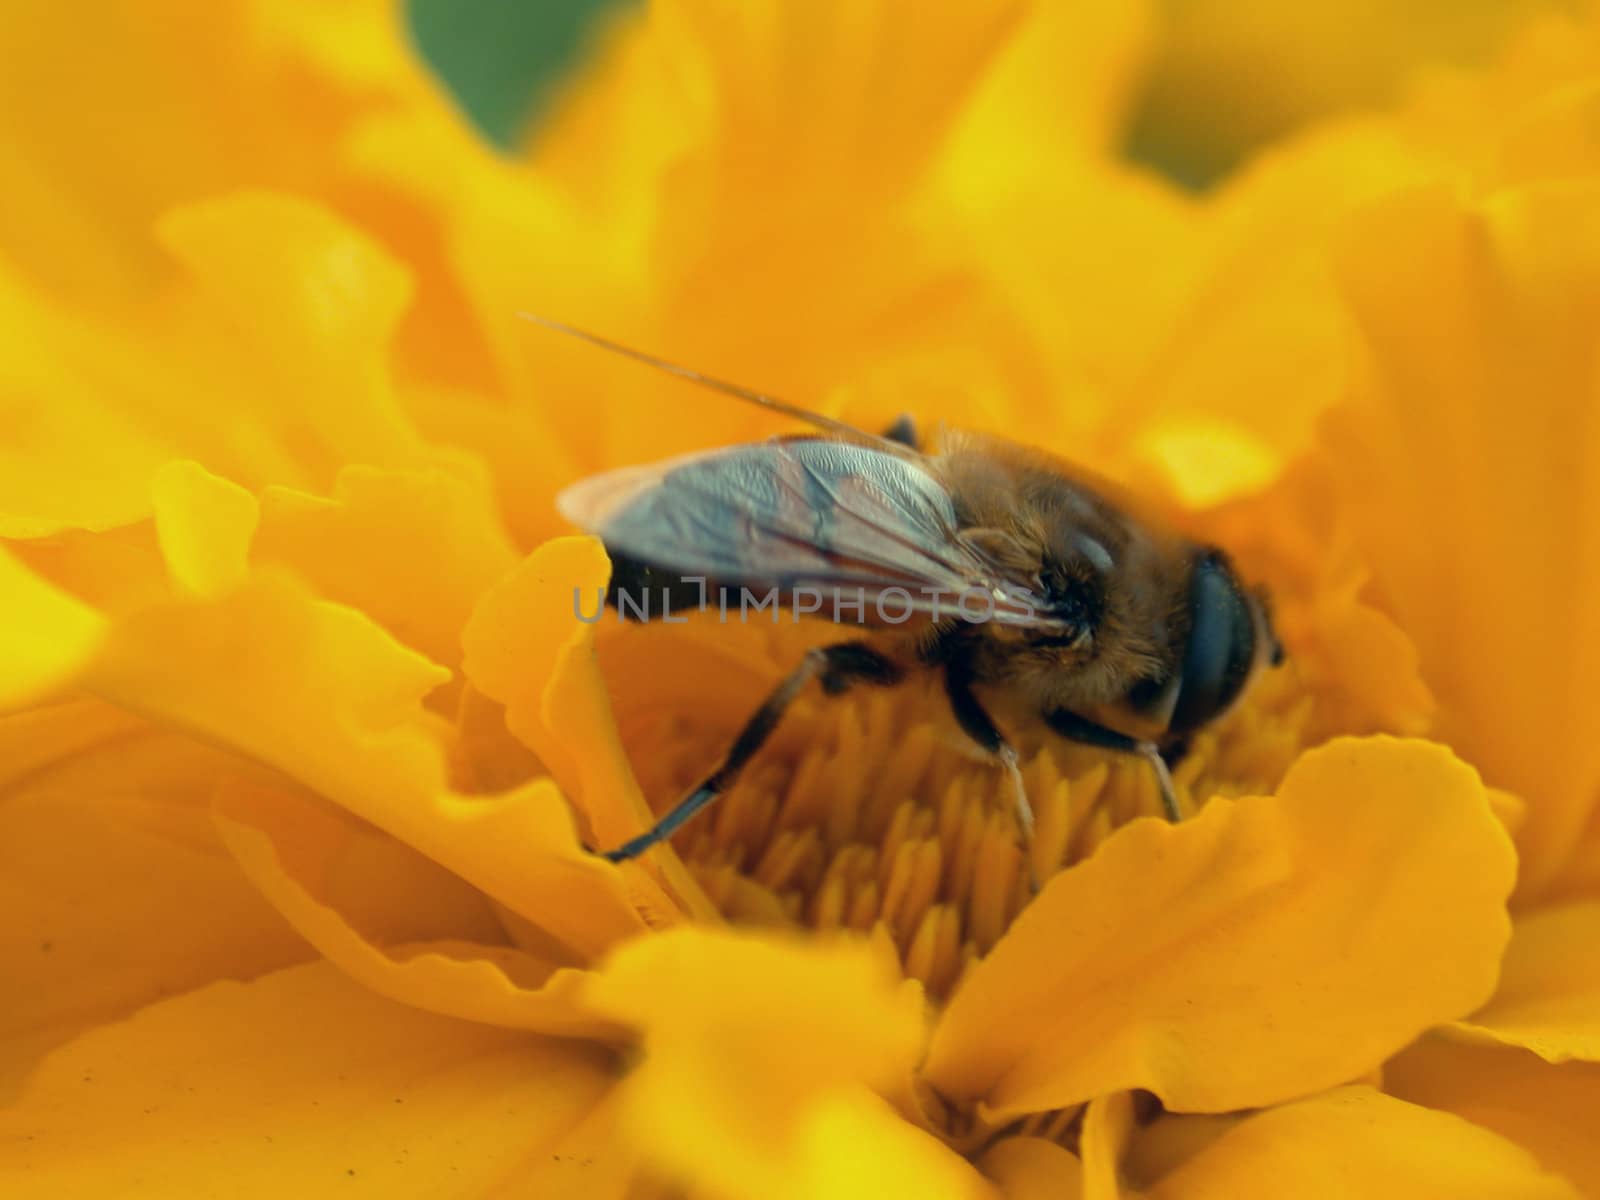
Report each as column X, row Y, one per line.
column 1080, row 729
column 836, row 667
column 976, row 723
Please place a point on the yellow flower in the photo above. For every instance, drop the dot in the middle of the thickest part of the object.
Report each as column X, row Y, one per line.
column 302, row 746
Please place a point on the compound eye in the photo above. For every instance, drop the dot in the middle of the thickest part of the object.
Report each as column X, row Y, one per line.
column 1221, row 649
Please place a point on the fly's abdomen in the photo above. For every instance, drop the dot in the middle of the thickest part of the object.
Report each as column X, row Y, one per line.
column 641, row 592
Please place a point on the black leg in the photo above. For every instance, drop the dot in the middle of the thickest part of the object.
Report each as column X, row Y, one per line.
column 1080, row 729
column 837, row 667
column 976, row 723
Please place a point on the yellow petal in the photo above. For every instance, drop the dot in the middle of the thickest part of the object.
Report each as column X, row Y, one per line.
column 98, row 404
column 204, row 525
column 46, row 638
column 1481, row 367
column 1107, row 1127
column 1582, row 874
column 1512, row 810
column 288, row 314
column 318, row 302
column 318, row 691
column 1027, row 157
column 764, row 1064
column 1527, row 118
column 1373, row 664
column 1233, row 76
column 1171, row 1140
column 527, row 647
column 834, row 56
column 856, row 1147
column 1358, row 666
column 1262, row 950
column 1553, row 138
column 1074, row 69
column 1209, row 365
column 592, row 1160
column 95, row 808
column 517, row 248
column 1031, row 1168
column 116, row 571
column 297, row 855
column 89, row 220
column 527, row 464
column 299, row 1082
column 1544, row 1108
column 799, row 149
column 412, row 550
column 1096, row 337
column 708, row 129
column 679, row 986
column 233, row 93
column 1548, row 1000
column 77, row 453
column 1358, row 1142
column 1258, row 352
column 519, row 636
column 381, row 86
column 1208, row 461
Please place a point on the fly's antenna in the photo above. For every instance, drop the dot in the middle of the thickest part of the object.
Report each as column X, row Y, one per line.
column 748, row 395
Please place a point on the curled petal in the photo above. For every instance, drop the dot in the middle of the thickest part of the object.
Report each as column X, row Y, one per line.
column 1171, row 1140
column 1358, row 1142
column 1107, row 1128
column 319, row 691
column 1548, row 1000
column 527, row 647
column 204, row 525
column 1262, row 950
column 362, row 547
column 239, row 669
column 1548, row 1109
column 46, row 638
column 515, row 642
column 294, row 852
column 95, row 805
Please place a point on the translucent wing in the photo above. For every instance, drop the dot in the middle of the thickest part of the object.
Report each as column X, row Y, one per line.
column 800, row 512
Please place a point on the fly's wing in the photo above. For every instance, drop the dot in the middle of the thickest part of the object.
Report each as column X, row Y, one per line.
column 799, row 512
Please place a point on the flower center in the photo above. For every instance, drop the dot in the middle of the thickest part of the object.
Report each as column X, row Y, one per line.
column 871, row 809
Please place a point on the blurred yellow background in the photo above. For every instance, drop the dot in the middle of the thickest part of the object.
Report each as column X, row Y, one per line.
column 1223, row 77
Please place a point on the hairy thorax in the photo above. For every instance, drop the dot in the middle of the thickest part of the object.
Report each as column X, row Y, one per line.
column 1119, row 579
